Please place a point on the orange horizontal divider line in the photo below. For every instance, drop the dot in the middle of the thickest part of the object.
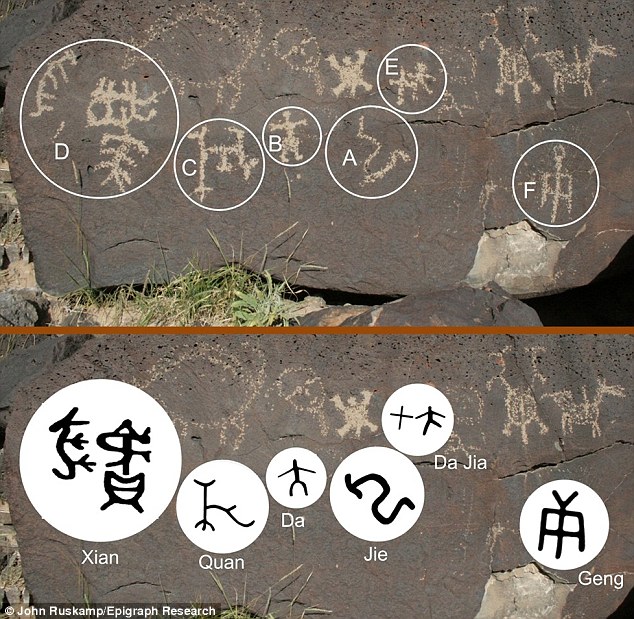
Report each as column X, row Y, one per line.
column 472, row 330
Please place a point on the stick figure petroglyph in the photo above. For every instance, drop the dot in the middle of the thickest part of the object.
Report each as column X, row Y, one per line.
column 556, row 187
column 355, row 412
column 350, row 73
column 514, row 68
column 520, row 404
column 291, row 143
column 413, row 81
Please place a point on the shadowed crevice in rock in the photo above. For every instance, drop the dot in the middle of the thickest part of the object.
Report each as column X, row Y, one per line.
column 607, row 301
column 626, row 609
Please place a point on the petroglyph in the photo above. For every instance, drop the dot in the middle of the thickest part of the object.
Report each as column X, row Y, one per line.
column 305, row 393
column 514, row 68
column 584, row 411
column 556, row 187
column 55, row 72
column 60, row 129
column 392, row 162
column 527, row 13
column 296, row 46
column 291, row 143
column 355, row 414
column 520, row 404
column 535, row 354
column 109, row 107
column 242, row 44
column 412, row 82
column 229, row 158
column 449, row 104
column 174, row 371
column 350, row 73
column 579, row 70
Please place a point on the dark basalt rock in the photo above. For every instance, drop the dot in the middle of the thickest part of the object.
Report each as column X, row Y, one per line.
column 517, row 75
column 537, row 408
column 459, row 307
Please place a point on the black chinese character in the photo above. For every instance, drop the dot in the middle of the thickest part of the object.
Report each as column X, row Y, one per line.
column 116, row 485
column 64, row 426
column 559, row 532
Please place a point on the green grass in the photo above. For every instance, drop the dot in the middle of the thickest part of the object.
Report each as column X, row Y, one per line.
column 8, row 6
column 231, row 295
column 12, row 341
column 260, row 607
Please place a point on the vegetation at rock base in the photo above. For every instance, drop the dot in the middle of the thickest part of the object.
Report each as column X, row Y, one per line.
column 229, row 296
column 8, row 6
column 260, row 606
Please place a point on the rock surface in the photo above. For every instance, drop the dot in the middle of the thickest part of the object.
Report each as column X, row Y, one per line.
column 459, row 307
column 517, row 75
column 248, row 397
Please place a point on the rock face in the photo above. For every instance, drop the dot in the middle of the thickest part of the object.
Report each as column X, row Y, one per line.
column 516, row 76
column 537, row 408
column 462, row 306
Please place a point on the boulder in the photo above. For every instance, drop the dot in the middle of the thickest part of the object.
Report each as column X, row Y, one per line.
column 458, row 307
column 23, row 308
column 246, row 398
column 517, row 75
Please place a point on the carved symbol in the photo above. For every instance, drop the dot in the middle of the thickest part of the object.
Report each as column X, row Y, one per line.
column 50, row 77
column 109, row 107
column 354, row 488
column 413, row 81
column 350, row 73
column 557, row 185
column 229, row 158
column 513, row 64
column 372, row 177
column 579, row 71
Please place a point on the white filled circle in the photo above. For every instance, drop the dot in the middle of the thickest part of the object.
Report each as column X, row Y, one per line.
column 543, row 223
column 444, row 70
column 401, row 119
column 417, row 419
column 564, row 524
column 263, row 159
column 222, row 506
column 74, row 466
column 296, row 477
column 377, row 494
column 21, row 122
column 313, row 117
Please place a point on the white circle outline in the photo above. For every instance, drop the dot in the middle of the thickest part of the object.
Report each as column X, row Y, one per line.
column 169, row 154
column 235, row 122
column 321, row 136
column 378, row 107
column 541, row 223
column 444, row 70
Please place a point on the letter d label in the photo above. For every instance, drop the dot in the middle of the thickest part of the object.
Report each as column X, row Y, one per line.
column 61, row 151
